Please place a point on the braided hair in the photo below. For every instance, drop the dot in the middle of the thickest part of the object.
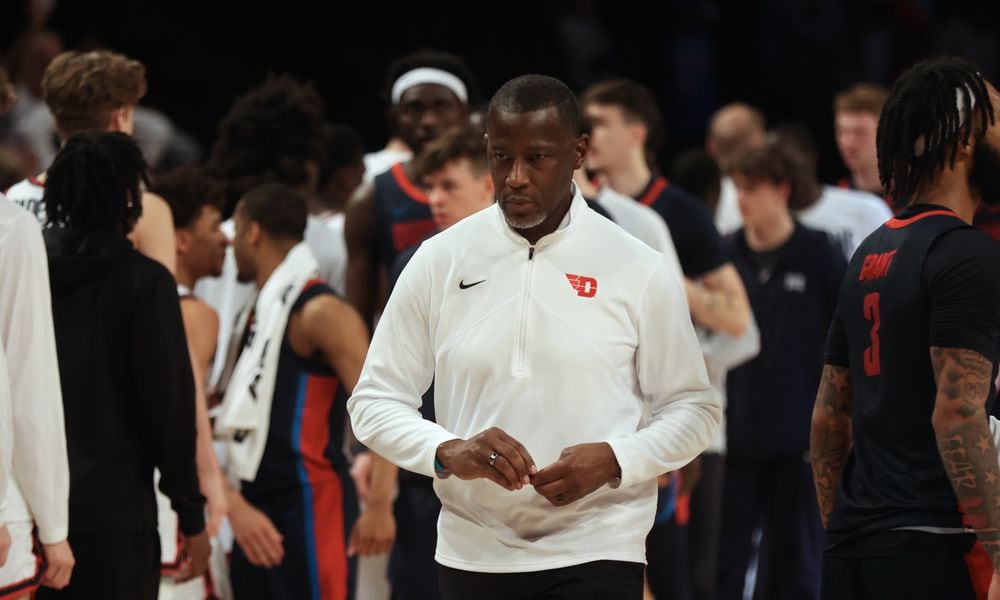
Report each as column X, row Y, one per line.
column 95, row 183
column 922, row 125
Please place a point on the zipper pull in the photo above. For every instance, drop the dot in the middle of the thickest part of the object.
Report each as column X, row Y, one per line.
column 531, row 252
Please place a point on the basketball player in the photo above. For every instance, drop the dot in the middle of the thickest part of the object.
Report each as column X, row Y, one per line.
column 430, row 92
column 904, row 463
column 196, row 206
column 293, row 512
column 98, row 91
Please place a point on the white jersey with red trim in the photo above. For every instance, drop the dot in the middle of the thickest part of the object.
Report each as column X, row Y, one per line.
column 29, row 194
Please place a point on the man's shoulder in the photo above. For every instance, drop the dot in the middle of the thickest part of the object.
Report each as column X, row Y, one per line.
column 26, row 188
column 847, row 199
column 456, row 239
column 13, row 215
column 611, row 240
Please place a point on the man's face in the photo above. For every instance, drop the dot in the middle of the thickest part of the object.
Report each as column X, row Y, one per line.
column 457, row 191
column 243, row 246
column 532, row 157
column 760, row 202
column 203, row 248
column 611, row 137
column 855, row 133
column 426, row 110
column 984, row 176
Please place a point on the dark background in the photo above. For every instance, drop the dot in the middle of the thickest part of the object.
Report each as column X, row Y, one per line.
column 788, row 57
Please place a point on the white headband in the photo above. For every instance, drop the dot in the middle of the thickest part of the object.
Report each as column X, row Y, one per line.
column 428, row 75
column 918, row 146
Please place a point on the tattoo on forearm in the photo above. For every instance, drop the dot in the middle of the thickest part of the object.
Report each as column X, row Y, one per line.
column 967, row 450
column 830, row 442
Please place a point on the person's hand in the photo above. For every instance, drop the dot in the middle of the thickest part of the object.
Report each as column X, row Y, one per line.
column 994, row 593
column 194, row 557
column 361, row 473
column 216, row 505
column 374, row 532
column 256, row 534
column 580, row 470
column 492, row 455
column 4, row 544
column 59, row 562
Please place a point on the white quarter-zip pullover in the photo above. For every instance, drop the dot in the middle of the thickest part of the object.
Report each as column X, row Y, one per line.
column 584, row 337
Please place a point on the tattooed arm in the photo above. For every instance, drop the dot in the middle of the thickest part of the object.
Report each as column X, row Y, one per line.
column 964, row 441
column 830, row 440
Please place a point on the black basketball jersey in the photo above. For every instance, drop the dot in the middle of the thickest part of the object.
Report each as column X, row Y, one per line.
column 402, row 214
column 904, row 291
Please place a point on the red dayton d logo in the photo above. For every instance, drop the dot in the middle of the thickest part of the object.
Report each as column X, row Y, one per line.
column 586, row 287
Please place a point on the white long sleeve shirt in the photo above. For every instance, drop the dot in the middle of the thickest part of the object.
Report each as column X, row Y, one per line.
column 39, row 488
column 571, row 342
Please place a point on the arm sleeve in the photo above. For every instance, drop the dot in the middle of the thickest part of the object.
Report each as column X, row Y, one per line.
column 962, row 272
column 727, row 352
column 39, row 458
column 684, row 412
column 162, row 370
column 385, row 407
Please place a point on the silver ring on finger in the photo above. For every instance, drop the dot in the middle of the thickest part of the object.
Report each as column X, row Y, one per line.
column 493, row 458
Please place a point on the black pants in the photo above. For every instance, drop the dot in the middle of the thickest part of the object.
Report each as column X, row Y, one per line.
column 112, row 566
column 668, row 571
column 777, row 496
column 413, row 573
column 705, row 526
column 601, row 580
column 923, row 573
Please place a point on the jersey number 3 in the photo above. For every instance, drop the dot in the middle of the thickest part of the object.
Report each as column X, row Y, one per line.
column 873, row 366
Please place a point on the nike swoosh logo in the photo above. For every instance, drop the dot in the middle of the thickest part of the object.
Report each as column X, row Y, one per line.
column 463, row 286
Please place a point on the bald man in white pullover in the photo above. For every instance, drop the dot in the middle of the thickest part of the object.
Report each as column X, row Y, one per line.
column 566, row 369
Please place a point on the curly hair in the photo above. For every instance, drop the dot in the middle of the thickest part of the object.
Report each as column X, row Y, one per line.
column 187, row 189
column 270, row 134
column 82, row 89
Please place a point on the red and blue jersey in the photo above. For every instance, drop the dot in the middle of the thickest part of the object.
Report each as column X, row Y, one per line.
column 303, row 483
column 402, row 214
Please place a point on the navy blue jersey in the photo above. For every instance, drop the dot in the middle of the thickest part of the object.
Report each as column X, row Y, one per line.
column 402, row 215
column 305, row 438
column 793, row 293
column 923, row 279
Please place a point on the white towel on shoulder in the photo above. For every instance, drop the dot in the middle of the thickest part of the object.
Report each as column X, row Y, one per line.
column 244, row 416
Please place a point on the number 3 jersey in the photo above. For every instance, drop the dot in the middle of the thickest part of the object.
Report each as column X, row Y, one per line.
column 923, row 279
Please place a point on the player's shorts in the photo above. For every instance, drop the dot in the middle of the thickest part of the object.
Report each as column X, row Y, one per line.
column 22, row 573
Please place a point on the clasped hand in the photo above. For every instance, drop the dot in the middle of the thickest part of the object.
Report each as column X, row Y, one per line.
column 495, row 455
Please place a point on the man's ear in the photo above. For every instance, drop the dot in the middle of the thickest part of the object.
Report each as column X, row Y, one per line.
column 255, row 234
column 580, row 148
column 182, row 238
column 639, row 133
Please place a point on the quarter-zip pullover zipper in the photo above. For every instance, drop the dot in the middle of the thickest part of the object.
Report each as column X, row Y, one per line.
column 520, row 366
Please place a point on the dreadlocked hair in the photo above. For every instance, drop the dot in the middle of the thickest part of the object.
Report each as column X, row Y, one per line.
column 95, row 183
column 921, row 126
